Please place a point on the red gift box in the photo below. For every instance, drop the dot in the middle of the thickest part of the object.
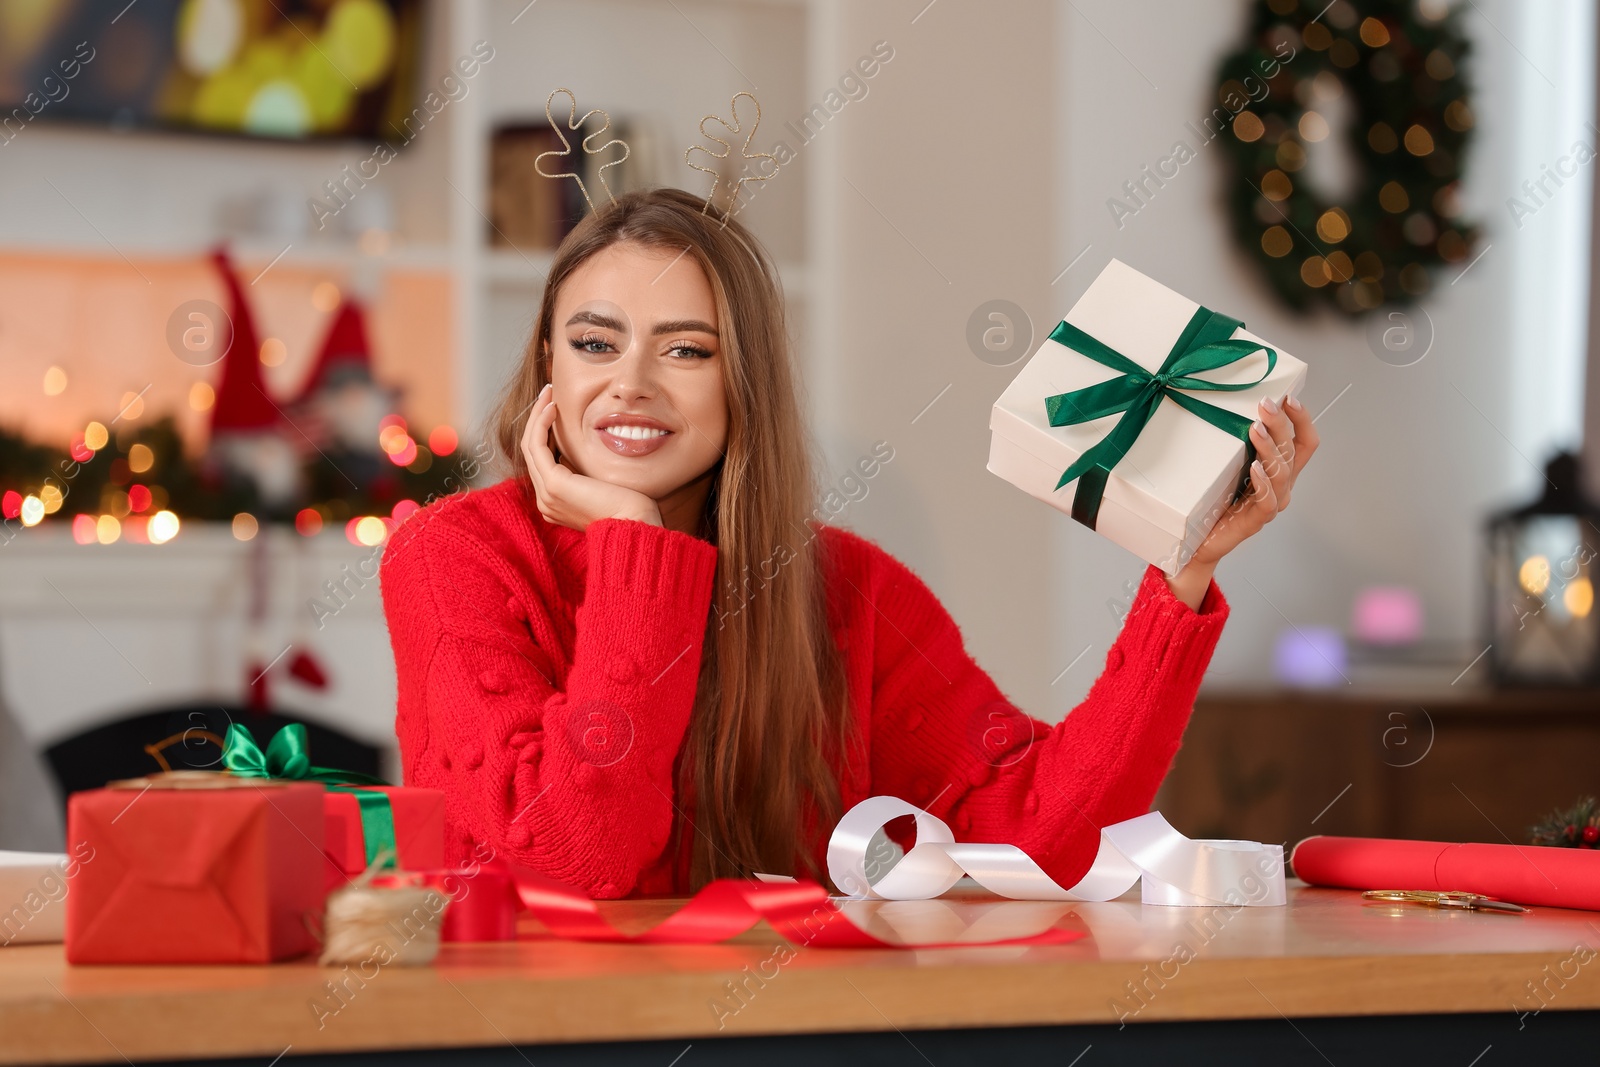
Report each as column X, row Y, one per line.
column 192, row 869
column 418, row 831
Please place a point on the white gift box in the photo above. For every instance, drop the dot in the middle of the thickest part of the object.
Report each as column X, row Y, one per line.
column 32, row 886
column 1165, row 495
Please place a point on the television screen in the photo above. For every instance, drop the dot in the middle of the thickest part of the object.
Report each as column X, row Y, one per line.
column 287, row 69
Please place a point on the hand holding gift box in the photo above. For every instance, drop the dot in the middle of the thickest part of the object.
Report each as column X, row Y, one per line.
column 1091, row 407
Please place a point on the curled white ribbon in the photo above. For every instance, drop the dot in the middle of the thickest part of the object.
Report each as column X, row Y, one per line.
column 1171, row 869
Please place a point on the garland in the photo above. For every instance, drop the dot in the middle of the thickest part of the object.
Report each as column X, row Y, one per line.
column 143, row 469
column 1397, row 64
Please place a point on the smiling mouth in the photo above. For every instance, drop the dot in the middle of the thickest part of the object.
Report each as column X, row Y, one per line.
column 633, row 440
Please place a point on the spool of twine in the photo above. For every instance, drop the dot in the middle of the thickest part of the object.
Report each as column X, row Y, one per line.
column 392, row 920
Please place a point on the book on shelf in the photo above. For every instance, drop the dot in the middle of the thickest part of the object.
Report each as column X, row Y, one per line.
column 529, row 211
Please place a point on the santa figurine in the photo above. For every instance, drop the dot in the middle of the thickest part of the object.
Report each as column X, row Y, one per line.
column 342, row 406
column 251, row 452
column 340, row 396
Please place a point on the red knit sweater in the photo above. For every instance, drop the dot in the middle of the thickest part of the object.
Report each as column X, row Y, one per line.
column 525, row 650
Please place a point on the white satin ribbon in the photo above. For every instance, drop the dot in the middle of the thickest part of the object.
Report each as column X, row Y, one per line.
column 1171, row 869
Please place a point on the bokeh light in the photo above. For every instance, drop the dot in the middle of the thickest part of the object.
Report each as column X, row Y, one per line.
column 273, row 352
column 443, row 440
column 1578, row 597
column 393, row 439
column 163, row 527
column 1311, row 657
column 1387, row 615
column 131, row 407
column 406, row 455
column 325, row 297
column 245, row 526
column 1534, row 575
column 371, row 530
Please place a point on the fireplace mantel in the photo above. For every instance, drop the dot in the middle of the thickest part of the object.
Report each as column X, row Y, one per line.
column 91, row 633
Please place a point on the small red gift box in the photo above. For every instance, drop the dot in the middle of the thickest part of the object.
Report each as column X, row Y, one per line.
column 418, row 831
column 195, row 868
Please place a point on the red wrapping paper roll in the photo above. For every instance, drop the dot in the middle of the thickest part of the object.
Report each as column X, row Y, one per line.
column 1536, row 875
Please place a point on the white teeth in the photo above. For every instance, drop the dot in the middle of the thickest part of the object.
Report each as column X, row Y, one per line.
column 635, row 433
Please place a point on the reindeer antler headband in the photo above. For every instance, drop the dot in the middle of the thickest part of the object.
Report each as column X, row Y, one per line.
column 733, row 125
column 734, row 128
column 574, row 123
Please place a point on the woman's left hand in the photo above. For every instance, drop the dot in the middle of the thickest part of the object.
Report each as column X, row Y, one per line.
column 1284, row 440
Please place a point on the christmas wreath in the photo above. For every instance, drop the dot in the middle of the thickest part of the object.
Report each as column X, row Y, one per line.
column 1397, row 64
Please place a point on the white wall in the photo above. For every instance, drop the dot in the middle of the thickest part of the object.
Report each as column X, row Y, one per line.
column 945, row 199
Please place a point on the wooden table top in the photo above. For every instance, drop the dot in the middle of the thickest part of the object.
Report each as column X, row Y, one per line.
column 1327, row 952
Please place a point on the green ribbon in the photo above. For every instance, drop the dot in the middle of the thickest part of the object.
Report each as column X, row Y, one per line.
column 288, row 756
column 1205, row 344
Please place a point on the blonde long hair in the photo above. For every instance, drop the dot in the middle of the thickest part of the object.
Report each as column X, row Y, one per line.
column 770, row 716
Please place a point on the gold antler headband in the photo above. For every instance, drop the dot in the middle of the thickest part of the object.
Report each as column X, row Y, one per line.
column 574, row 123
column 734, row 128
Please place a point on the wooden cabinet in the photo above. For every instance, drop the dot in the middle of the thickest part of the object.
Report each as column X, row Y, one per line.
column 1481, row 766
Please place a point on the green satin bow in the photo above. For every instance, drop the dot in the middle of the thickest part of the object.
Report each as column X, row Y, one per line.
column 1205, row 344
column 288, row 756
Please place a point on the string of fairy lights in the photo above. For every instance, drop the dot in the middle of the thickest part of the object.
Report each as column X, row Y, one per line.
column 131, row 479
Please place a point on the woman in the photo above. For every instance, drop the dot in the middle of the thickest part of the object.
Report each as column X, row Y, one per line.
column 637, row 665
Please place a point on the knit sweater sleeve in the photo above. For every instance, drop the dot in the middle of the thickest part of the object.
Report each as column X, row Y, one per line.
column 562, row 766
column 946, row 738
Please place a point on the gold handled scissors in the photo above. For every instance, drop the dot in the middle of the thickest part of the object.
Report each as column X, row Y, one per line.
column 1431, row 899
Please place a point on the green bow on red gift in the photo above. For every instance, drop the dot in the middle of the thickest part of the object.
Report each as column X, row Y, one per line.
column 1205, row 344
column 288, row 756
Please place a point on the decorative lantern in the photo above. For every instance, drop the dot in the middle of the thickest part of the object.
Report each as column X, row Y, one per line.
column 1543, row 630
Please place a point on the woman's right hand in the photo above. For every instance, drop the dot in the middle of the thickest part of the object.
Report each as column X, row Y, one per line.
column 566, row 497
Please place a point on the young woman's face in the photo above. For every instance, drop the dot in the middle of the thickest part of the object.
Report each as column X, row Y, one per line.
column 637, row 365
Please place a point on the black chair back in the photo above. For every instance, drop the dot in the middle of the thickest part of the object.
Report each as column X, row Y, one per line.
column 188, row 737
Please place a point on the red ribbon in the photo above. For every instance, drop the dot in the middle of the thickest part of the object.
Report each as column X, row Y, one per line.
column 484, row 903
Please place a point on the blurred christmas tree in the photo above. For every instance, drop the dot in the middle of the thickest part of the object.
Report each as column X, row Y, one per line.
column 24, row 463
